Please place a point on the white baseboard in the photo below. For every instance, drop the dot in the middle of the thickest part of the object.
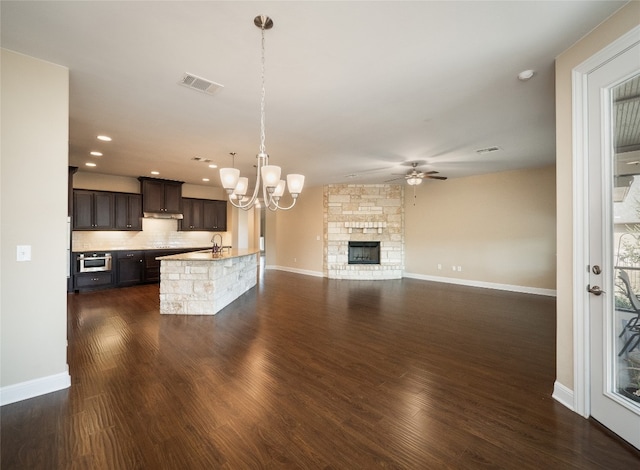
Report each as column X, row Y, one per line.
column 447, row 280
column 306, row 272
column 563, row 395
column 486, row 285
column 34, row 388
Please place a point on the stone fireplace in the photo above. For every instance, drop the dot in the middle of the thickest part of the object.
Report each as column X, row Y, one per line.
column 368, row 214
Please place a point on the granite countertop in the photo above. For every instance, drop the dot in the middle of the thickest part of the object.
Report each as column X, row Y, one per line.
column 205, row 255
column 155, row 248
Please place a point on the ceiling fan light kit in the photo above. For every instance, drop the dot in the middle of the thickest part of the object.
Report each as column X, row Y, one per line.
column 272, row 186
column 415, row 177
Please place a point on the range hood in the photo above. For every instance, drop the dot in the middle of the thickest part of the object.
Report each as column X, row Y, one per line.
column 162, row 215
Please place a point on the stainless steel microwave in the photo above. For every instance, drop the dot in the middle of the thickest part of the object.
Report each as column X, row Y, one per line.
column 92, row 262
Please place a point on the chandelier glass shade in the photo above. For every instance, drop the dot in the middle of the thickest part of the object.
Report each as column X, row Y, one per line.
column 273, row 187
column 414, row 181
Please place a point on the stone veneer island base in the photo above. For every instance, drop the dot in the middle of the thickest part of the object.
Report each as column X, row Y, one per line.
column 199, row 283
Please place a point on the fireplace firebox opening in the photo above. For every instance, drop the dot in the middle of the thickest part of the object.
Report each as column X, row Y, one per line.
column 364, row 252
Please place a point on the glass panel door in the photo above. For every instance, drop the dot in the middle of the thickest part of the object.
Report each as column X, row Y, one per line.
column 625, row 327
column 614, row 243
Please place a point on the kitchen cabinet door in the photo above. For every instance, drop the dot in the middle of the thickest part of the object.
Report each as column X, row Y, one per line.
column 173, row 197
column 152, row 266
column 152, row 195
column 103, row 215
column 82, row 210
column 215, row 216
column 192, row 210
column 128, row 211
column 130, row 268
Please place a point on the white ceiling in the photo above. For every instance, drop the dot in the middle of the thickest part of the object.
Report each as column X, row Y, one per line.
column 354, row 90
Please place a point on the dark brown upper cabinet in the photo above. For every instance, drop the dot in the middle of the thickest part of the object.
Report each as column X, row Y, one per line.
column 92, row 210
column 161, row 196
column 204, row 215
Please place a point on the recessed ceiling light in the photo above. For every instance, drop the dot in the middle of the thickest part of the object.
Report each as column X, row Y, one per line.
column 96, row 154
column 213, row 166
column 155, row 172
column 104, row 138
column 90, row 164
column 205, row 179
column 526, row 75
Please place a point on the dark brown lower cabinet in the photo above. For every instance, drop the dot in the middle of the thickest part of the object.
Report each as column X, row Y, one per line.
column 83, row 281
column 130, row 267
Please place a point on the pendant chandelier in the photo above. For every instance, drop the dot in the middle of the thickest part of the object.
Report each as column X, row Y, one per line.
column 272, row 186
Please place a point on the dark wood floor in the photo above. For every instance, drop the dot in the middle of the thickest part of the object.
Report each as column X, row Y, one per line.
column 303, row 372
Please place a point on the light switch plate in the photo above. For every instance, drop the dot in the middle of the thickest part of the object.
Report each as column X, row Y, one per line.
column 23, row 253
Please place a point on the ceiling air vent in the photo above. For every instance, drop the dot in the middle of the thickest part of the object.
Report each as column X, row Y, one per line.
column 487, row 150
column 199, row 84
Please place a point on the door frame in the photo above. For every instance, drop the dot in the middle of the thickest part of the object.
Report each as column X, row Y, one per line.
column 580, row 144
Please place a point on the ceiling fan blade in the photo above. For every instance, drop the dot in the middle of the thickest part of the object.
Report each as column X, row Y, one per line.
column 432, row 172
column 394, row 179
column 436, row 177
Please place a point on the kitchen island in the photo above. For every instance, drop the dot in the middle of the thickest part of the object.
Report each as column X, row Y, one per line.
column 201, row 283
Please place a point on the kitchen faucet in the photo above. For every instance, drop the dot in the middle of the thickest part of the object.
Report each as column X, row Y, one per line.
column 216, row 248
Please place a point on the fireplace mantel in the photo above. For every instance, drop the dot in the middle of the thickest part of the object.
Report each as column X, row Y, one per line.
column 366, row 227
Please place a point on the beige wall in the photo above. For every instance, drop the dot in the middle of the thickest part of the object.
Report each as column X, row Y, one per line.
column 620, row 23
column 125, row 184
column 499, row 228
column 102, row 182
column 294, row 238
column 35, row 116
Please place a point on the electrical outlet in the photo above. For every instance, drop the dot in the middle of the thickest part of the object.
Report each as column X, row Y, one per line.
column 453, row 268
column 459, row 268
column 23, row 253
column 295, row 260
column 439, row 267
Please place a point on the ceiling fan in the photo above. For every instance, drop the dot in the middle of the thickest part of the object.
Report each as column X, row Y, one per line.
column 415, row 177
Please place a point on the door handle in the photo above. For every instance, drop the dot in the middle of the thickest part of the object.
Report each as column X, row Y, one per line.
column 595, row 290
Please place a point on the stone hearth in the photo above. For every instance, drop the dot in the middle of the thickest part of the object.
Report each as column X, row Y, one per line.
column 356, row 212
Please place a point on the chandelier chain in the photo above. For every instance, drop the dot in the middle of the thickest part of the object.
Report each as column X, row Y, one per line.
column 262, row 113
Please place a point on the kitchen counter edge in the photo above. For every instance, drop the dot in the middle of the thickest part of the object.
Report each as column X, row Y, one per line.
column 207, row 255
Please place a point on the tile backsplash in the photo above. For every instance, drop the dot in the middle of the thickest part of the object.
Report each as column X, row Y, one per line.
column 155, row 234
